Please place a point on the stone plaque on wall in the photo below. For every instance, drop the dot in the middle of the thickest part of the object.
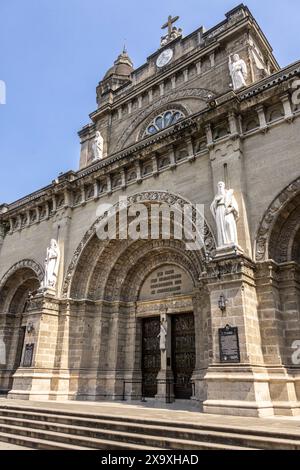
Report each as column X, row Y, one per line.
column 166, row 281
column 28, row 355
column 229, row 345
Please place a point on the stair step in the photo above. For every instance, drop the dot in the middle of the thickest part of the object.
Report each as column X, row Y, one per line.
column 87, row 430
column 54, row 437
column 131, row 431
column 64, row 417
column 139, row 434
column 37, row 444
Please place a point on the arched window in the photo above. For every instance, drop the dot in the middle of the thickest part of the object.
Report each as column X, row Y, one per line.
column 164, row 120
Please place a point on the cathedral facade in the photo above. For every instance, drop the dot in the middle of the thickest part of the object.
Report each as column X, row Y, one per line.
column 130, row 318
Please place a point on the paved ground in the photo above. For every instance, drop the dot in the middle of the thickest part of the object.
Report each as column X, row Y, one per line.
column 146, row 411
column 5, row 446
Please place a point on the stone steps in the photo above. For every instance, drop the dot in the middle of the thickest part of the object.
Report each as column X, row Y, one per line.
column 85, row 430
column 29, row 443
column 95, row 437
column 134, row 431
column 64, row 441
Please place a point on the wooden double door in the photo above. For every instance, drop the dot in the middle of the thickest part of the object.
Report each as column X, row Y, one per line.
column 182, row 354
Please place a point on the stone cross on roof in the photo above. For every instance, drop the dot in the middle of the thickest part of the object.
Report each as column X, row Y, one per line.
column 173, row 32
column 169, row 23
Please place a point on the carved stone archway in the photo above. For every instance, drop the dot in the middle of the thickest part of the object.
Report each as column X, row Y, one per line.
column 144, row 197
column 274, row 218
column 25, row 263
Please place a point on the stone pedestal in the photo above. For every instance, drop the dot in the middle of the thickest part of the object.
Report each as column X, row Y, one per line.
column 165, row 377
column 235, row 388
column 42, row 380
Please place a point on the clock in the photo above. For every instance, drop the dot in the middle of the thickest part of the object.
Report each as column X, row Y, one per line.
column 164, row 58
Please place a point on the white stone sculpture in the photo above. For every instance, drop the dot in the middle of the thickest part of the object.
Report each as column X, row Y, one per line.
column 163, row 335
column 51, row 265
column 98, row 146
column 226, row 213
column 238, row 71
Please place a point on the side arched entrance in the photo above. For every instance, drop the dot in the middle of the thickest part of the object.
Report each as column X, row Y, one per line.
column 15, row 287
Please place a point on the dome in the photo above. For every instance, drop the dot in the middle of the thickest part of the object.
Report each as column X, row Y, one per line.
column 123, row 66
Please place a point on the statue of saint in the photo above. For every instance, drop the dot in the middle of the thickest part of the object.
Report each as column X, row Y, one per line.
column 163, row 335
column 51, row 265
column 226, row 213
column 238, row 71
column 98, row 146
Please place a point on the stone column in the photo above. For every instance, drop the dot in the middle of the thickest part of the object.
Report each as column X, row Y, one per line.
column 201, row 307
column 155, row 165
column 241, row 387
column 172, row 157
column 262, row 118
column 288, row 112
column 278, row 307
column 138, row 171
column 36, row 382
column 165, row 377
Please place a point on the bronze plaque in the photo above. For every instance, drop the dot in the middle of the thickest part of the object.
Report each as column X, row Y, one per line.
column 229, row 345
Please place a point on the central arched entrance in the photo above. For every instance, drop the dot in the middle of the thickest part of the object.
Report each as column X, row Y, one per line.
column 172, row 358
column 119, row 292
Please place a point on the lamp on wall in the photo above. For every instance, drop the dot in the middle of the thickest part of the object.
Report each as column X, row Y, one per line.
column 222, row 303
column 30, row 328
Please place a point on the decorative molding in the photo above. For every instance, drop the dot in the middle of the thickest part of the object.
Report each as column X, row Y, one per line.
column 144, row 197
column 265, row 228
column 25, row 263
column 200, row 93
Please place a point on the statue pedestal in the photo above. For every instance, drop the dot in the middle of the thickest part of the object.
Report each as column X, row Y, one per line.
column 35, row 379
column 165, row 386
column 47, row 291
column 238, row 386
column 228, row 251
column 165, row 377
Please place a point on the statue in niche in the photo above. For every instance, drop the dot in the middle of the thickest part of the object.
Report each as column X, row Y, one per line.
column 226, row 213
column 163, row 335
column 98, row 146
column 51, row 265
column 238, row 71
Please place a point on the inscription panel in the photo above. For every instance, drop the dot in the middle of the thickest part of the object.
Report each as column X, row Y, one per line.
column 166, row 282
column 229, row 345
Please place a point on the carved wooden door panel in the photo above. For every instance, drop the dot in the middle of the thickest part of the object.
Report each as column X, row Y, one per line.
column 151, row 355
column 183, row 354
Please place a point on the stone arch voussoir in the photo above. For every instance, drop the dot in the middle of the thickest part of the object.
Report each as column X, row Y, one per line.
column 143, row 197
column 271, row 217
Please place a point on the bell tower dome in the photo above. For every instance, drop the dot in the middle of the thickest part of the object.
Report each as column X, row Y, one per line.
column 118, row 75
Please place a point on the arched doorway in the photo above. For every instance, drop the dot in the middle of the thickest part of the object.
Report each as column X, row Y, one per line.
column 174, row 358
column 278, row 233
column 15, row 287
column 278, row 275
column 105, row 286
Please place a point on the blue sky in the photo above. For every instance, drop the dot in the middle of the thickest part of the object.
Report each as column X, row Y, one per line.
column 54, row 52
